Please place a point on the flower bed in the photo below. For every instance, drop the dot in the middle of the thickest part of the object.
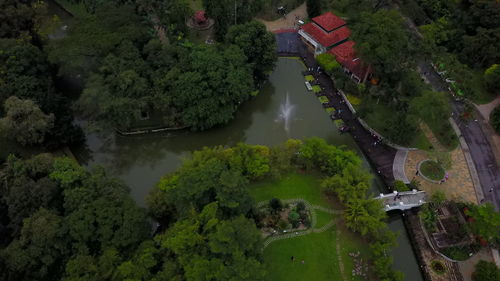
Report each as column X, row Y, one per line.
column 431, row 169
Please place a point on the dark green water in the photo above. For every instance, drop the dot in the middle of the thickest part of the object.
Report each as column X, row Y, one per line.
column 141, row 161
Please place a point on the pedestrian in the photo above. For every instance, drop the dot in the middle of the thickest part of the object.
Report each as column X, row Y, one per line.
column 491, row 189
column 293, row 258
column 482, row 201
column 417, row 173
column 302, row 262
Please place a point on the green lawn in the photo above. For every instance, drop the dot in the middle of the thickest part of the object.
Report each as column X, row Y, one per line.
column 323, row 218
column 77, row 9
column 318, row 250
column 432, row 170
column 290, row 187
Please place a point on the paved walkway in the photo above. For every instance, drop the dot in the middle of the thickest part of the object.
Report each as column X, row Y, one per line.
column 467, row 267
column 380, row 156
column 459, row 185
column 486, row 109
column 289, row 21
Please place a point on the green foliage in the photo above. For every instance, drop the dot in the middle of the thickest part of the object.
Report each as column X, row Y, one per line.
column 17, row 19
column 400, row 186
column 275, row 204
column 223, row 12
column 429, row 217
column 26, row 74
column 40, row 248
column 327, row 62
column 293, row 218
column 492, row 78
column 383, row 42
column 313, row 8
column 210, row 85
column 486, row 221
column 486, row 271
column 456, row 253
column 432, row 170
column 438, row 198
column 495, row 119
column 258, row 45
column 438, row 267
column 205, row 246
column 25, row 122
column 92, row 38
column 315, row 152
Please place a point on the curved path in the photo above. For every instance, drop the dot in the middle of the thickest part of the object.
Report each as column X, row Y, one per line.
column 312, row 209
column 381, row 156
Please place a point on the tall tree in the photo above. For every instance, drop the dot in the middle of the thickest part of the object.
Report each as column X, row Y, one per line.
column 40, row 249
column 313, row 8
column 258, row 45
column 25, row 122
column 486, row 222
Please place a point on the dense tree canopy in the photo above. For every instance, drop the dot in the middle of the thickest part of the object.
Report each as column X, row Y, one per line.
column 258, row 45
column 25, row 122
column 486, row 222
column 383, row 41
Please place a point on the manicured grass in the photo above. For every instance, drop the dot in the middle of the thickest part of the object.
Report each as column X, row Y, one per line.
column 318, row 250
column 196, row 5
column 290, row 187
column 309, row 78
column 316, row 89
column 322, row 99
column 322, row 218
column 420, row 141
column 353, row 99
column 432, row 170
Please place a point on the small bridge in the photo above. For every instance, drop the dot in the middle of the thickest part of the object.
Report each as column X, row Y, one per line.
column 402, row 200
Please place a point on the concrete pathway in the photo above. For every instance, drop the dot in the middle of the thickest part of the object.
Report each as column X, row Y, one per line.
column 398, row 167
column 459, row 186
column 467, row 267
column 289, row 21
column 486, row 109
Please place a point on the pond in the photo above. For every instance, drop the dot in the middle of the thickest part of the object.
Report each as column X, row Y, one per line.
column 284, row 109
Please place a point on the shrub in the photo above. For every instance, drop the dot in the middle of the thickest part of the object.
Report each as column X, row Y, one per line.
column 491, row 78
column 486, row 271
column 301, row 206
column 495, row 119
column 438, row 267
column 429, row 217
column 282, row 225
column 327, row 62
column 309, row 78
column 275, row 204
column 456, row 253
column 400, row 186
column 294, row 218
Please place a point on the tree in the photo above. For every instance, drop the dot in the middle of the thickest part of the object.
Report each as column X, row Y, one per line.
column 495, row 119
column 313, row 8
column 486, row 271
column 482, row 48
column 211, row 86
column 25, row 122
column 383, row 41
column 93, row 37
column 40, row 249
column 26, row 187
column 258, row 45
column 491, row 78
column 275, row 205
column 230, row 12
column 400, row 186
column 431, row 106
column 328, row 62
column 16, row 19
column 486, row 221
column 208, row 248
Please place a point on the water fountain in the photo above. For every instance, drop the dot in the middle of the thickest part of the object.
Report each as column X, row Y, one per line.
column 286, row 111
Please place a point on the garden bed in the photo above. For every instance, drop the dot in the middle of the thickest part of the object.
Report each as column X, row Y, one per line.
column 431, row 170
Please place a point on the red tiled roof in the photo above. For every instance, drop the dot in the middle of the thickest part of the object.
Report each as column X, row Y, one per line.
column 329, row 21
column 324, row 38
column 346, row 56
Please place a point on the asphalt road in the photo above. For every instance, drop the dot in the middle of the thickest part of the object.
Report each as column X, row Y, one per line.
column 479, row 147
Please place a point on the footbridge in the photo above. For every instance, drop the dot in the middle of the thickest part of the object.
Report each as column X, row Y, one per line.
column 402, row 200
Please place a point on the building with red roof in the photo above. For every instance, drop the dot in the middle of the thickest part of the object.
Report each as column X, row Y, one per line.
column 329, row 33
column 353, row 65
